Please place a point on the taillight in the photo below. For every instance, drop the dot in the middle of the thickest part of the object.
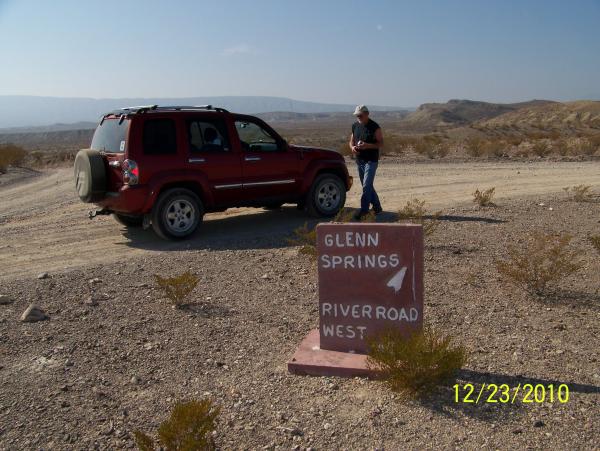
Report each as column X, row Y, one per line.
column 131, row 172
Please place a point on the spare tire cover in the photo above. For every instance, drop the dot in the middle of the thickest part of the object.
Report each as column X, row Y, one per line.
column 90, row 175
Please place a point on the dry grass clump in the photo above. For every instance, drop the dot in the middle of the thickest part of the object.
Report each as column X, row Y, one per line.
column 11, row 155
column 545, row 259
column 580, row 193
column 484, row 198
column 541, row 148
column 495, row 148
column 395, row 144
column 583, row 146
column 189, row 428
column 431, row 146
column 595, row 242
column 415, row 212
column 306, row 238
column 178, row 288
column 478, row 147
column 415, row 365
column 58, row 158
column 475, row 147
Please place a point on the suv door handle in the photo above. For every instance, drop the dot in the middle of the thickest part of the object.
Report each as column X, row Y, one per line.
column 252, row 159
column 196, row 160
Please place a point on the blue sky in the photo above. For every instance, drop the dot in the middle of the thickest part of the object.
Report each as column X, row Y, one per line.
column 376, row 52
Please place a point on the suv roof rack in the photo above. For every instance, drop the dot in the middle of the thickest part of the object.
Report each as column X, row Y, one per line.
column 144, row 108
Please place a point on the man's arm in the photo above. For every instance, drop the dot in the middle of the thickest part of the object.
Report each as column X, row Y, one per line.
column 377, row 145
column 351, row 144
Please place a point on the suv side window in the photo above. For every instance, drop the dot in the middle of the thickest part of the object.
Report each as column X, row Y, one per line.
column 160, row 137
column 254, row 138
column 207, row 136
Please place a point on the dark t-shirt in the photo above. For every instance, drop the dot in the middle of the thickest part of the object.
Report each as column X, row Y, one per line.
column 366, row 133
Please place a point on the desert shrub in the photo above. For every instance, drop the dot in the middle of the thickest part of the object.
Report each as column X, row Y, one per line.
column 437, row 151
column 189, row 428
column 541, row 148
column 415, row 212
column 544, row 259
column 580, row 193
column 495, row 148
column 595, row 241
column 11, row 155
column 484, row 198
column 415, row 365
column 514, row 140
column 560, row 147
column 306, row 238
column 582, row 146
column 344, row 215
column 475, row 147
column 178, row 288
column 595, row 140
column 428, row 145
column 523, row 150
column 395, row 144
column 347, row 215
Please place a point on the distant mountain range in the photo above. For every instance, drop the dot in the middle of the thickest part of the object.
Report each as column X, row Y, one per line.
column 62, row 112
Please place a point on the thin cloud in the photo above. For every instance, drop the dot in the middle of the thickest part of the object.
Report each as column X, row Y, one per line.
column 240, row 49
column 379, row 27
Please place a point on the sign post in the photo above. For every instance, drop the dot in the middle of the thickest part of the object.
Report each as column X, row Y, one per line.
column 370, row 280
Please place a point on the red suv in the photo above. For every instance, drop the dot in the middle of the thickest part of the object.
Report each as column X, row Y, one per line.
column 167, row 166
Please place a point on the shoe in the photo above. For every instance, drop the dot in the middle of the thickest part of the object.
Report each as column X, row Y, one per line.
column 377, row 211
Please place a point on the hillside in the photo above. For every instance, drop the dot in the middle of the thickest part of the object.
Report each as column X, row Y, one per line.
column 579, row 115
column 456, row 113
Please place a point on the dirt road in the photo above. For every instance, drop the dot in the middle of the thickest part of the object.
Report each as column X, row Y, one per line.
column 44, row 227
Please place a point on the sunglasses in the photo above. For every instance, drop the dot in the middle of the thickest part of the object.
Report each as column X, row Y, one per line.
column 360, row 116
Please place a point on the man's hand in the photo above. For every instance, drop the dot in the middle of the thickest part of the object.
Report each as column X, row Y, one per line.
column 361, row 145
column 355, row 149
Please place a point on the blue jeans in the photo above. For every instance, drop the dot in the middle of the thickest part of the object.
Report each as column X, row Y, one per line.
column 366, row 173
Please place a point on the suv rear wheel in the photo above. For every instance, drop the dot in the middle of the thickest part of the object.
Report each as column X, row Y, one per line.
column 327, row 196
column 177, row 214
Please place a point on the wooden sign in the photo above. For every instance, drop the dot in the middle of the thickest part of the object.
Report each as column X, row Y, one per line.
column 370, row 279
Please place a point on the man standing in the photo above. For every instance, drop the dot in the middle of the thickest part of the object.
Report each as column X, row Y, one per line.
column 365, row 141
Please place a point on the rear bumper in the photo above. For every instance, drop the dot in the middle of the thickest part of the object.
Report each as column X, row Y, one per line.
column 129, row 199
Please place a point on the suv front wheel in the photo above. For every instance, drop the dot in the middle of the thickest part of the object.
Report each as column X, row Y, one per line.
column 177, row 214
column 327, row 196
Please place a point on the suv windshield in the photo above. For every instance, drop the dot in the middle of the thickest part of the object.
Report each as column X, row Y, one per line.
column 110, row 136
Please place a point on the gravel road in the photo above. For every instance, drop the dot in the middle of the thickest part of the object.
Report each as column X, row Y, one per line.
column 44, row 227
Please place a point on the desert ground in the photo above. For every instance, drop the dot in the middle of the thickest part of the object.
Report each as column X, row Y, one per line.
column 44, row 227
column 94, row 372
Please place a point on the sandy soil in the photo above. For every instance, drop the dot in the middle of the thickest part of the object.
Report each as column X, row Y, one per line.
column 92, row 374
column 44, row 227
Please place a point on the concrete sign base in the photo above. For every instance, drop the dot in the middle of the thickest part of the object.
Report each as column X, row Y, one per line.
column 311, row 360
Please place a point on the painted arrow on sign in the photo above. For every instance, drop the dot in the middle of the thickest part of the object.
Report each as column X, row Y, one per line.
column 396, row 281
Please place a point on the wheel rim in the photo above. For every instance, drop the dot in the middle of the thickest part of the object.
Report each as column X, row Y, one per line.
column 180, row 216
column 328, row 196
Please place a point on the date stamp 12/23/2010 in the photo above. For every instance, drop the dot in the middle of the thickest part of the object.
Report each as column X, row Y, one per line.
column 505, row 394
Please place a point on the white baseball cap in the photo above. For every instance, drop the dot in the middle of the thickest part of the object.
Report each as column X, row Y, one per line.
column 361, row 109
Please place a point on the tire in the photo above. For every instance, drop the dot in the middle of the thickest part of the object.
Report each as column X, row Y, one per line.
column 276, row 206
column 327, row 196
column 177, row 214
column 90, row 175
column 129, row 221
